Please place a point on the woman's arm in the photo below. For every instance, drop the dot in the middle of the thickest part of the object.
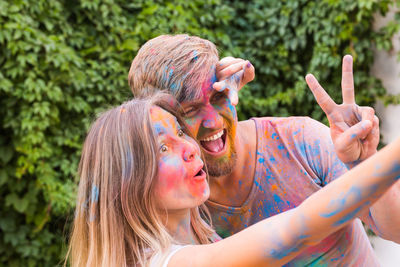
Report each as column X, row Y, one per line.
column 277, row 240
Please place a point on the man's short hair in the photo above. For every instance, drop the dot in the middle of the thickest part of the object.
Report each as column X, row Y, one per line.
column 178, row 64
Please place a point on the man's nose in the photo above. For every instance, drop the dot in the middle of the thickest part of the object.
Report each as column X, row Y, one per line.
column 212, row 119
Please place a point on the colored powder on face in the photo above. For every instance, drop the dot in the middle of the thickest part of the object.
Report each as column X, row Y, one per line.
column 232, row 108
column 171, row 169
column 209, row 123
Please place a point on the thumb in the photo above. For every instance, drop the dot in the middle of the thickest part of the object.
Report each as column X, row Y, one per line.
column 220, row 86
column 357, row 131
column 233, row 96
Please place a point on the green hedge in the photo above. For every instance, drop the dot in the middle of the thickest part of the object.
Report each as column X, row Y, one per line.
column 62, row 61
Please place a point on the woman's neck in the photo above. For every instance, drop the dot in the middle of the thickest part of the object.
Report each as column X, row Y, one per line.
column 179, row 227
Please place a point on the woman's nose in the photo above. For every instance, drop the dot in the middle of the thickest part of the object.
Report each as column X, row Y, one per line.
column 189, row 152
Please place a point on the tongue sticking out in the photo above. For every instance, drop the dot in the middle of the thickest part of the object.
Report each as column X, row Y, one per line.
column 213, row 146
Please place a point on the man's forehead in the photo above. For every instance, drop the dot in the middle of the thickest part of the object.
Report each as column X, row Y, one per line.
column 202, row 94
column 199, row 94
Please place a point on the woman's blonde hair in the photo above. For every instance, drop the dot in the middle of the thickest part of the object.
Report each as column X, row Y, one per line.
column 116, row 220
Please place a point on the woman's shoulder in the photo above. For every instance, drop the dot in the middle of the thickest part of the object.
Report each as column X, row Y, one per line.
column 161, row 259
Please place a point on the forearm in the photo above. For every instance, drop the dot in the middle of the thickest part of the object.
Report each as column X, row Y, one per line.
column 277, row 240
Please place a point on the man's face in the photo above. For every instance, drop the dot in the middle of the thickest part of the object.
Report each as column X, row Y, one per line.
column 212, row 120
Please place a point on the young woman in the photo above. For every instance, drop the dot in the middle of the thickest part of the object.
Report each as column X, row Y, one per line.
column 142, row 188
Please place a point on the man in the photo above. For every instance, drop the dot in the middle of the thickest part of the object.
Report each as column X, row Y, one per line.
column 264, row 166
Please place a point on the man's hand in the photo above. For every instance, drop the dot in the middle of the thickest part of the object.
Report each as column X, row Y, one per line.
column 354, row 129
column 233, row 74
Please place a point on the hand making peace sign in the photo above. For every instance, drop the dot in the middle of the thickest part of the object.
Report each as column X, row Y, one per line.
column 354, row 129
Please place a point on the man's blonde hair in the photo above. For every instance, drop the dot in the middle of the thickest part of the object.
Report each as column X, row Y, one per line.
column 178, row 64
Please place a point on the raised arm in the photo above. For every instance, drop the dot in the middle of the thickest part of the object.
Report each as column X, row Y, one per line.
column 355, row 135
column 277, row 240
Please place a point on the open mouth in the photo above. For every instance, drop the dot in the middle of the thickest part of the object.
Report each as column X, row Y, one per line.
column 200, row 175
column 215, row 143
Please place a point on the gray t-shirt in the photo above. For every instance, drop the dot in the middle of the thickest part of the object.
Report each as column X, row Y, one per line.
column 295, row 158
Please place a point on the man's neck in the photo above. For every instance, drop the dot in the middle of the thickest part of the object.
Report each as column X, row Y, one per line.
column 179, row 227
column 233, row 189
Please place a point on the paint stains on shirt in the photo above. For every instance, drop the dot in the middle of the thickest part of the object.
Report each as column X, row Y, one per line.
column 295, row 158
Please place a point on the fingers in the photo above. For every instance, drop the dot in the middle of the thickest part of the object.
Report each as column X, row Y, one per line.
column 227, row 61
column 233, row 96
column 322, row 97
column 367, row 113
column 220, row 86
column 248, row 75
column 372, row 138
column 347, row 80
column 231, row 86
column 231, row 91
column 357, row 131
column 232, row 81
column 231, row 69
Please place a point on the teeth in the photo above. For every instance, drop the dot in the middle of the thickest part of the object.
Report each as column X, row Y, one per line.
column 214, row 137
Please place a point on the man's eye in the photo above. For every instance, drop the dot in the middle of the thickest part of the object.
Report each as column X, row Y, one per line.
column 218, row 96
column 163, row 148
column 190, row 112
column 181, row 133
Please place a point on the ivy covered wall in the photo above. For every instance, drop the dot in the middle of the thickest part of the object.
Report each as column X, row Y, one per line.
column 62, row 61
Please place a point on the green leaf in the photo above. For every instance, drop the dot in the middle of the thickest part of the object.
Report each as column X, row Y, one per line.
column 20, row 204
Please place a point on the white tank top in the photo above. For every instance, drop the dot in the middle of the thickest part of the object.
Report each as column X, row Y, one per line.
column 162, row 260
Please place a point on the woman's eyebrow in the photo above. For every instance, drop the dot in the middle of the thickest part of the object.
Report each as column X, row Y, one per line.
column 161, row 127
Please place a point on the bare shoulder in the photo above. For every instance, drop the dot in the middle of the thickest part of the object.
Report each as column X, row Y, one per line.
column 247, row 129
column 247, row 134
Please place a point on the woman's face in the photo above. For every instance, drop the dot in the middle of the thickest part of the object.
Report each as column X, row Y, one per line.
column 181, row 181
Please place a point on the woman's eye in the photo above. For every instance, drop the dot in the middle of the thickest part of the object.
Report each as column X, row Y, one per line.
column 181, row 133
column 164, row 148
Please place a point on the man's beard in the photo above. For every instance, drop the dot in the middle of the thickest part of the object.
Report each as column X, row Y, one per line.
column 222, row 167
